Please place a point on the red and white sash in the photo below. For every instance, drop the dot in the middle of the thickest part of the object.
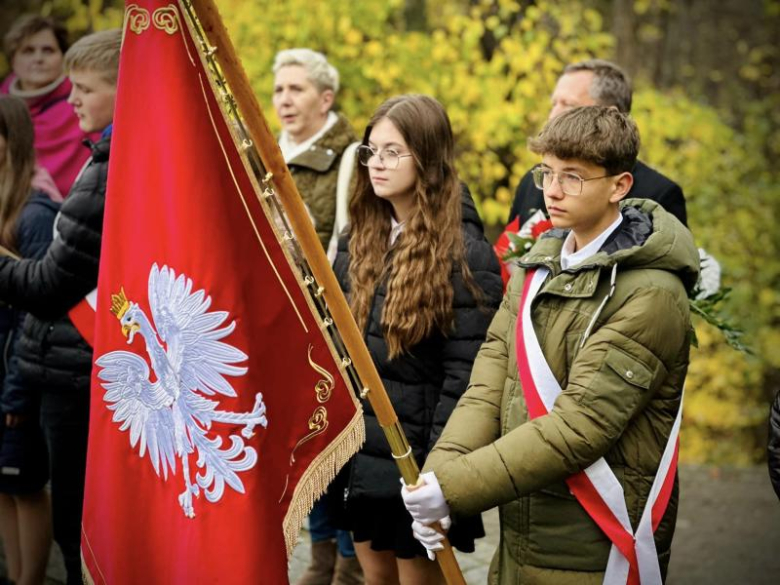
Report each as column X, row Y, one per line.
column 83, row 317
column 633, row 558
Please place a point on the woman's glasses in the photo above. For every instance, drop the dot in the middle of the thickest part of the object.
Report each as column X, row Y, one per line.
column 389, row 157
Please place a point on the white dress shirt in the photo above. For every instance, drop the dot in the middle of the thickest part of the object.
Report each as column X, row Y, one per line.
column 570, row 258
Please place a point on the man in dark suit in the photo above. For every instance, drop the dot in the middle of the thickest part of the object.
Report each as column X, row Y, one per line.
column 590, row 83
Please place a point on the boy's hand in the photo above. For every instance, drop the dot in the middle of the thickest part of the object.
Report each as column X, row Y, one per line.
column 429, row 538
column 426, row 502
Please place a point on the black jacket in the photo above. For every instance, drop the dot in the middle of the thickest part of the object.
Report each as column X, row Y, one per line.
column 52, row 353
column 33, row 236
column 773, row 449
column 648, row 184
column 425, row 383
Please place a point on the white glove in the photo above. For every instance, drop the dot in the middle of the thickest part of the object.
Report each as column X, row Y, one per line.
column 429, row 538
column 426, row 504
column 709, row 276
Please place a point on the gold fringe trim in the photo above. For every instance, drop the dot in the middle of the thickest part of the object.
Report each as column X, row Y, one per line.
column 85, row 575
column 321, row 472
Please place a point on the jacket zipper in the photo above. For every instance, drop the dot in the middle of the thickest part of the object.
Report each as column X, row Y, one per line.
column 7, row 349
column 348, row 489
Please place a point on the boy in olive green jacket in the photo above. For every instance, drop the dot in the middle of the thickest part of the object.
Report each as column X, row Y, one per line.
column 571, row 417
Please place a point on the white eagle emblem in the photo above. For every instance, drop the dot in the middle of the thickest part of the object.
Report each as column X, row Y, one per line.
column 170, row 417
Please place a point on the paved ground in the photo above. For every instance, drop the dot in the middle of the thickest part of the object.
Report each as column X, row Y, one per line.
column 474, row 566
column 728, row 532
column 728, row 528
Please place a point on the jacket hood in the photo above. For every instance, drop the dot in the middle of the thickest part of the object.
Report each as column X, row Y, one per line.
column 471, row 220
column 648, row 237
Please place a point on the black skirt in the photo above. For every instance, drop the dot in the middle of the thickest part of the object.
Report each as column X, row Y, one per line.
column 24, row 460
column 387, row 525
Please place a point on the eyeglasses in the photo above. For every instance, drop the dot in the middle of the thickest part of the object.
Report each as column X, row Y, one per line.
column 570, row 183
column 389, row 158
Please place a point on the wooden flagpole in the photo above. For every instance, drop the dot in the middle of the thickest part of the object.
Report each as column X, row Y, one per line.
column 273, row 161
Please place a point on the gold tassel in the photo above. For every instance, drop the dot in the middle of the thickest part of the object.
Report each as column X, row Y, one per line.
column 85, row 576
column 318, row 477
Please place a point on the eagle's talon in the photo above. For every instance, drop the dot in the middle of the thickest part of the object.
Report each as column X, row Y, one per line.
column 185, row 501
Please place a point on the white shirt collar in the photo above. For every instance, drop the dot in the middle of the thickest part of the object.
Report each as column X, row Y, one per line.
column 396, row 228
column 569, row 258
column 291, row 149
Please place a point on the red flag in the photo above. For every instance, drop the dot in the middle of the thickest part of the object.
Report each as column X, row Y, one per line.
column 219, row 409
column 83, row 317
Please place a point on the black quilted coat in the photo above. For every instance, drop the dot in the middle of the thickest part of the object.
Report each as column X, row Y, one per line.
column 425, row 383
column 52, row 353
column 773, row 450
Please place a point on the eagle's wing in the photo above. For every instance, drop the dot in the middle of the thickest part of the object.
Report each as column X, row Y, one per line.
column 139, row 406
column 193, row 334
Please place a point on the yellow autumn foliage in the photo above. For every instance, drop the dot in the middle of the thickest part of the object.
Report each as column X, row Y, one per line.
column 495, row 103
column 493, row 64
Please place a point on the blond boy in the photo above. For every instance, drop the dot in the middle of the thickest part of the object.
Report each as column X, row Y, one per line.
column 53, row 357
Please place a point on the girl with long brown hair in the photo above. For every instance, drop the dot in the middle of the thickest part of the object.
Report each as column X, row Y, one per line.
column 423, row 285
column 26, row 220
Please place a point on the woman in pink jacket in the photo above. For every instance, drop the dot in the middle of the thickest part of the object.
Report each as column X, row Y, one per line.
column 35, row 46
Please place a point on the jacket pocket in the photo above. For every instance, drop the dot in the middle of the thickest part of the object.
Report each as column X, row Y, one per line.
column 558, row 490
column 629, row 369
column 562, row 536
column 617, row 391
column 572, row 348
